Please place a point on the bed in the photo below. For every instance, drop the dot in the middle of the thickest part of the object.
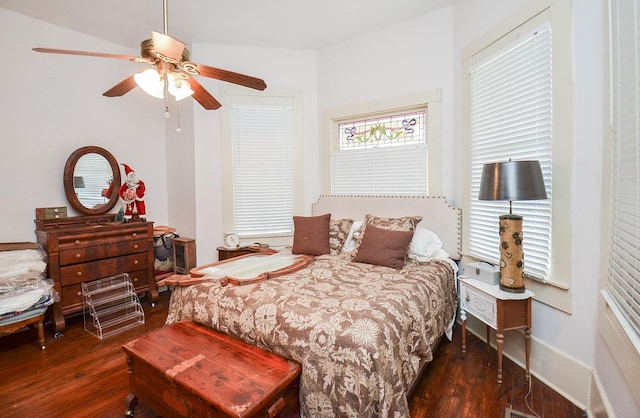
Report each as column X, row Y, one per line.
column 362, row 329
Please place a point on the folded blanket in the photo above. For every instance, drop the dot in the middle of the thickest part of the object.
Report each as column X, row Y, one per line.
column 21, row 299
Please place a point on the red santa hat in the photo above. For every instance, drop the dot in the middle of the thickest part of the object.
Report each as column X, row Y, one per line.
column 127, row 169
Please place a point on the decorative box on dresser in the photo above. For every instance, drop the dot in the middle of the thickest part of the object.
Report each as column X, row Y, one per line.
column 86, row 248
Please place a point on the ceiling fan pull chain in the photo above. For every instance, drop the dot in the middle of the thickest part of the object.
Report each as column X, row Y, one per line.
column 178, row 128
column 166, row 99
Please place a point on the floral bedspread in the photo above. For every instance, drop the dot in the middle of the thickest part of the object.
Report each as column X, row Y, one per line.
column 359, row 331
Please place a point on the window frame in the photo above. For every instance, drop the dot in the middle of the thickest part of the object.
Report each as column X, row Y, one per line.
column 429, row 99
column 556, row 290
column 237, row 95
column 613, row 332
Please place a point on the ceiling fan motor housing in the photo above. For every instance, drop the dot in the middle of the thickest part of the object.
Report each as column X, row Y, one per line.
column 147, row 50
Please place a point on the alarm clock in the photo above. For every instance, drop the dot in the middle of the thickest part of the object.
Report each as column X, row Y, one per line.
column 231, row 240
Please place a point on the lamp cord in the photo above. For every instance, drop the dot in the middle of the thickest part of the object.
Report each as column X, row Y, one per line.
column 526, row 400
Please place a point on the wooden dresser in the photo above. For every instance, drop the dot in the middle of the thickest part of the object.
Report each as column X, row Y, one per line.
column 86, row 248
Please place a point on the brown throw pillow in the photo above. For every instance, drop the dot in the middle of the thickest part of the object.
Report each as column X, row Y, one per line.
column 311, row 235
column 338, row 232
column 383, row 247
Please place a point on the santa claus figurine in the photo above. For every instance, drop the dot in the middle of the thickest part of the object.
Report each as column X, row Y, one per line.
column 132, row 194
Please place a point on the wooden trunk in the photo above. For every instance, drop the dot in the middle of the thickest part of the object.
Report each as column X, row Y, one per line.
column 188, row 370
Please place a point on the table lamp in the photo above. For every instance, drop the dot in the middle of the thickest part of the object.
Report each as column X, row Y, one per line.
column 512, row 180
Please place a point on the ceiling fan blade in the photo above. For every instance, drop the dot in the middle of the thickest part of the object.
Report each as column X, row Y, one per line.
column 167, row 46
column 90, row 54
column 122, row 88
column 231, row 77
column 202, row 96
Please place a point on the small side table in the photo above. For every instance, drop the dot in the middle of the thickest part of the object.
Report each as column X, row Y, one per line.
column 224, row 252
column 500, row 310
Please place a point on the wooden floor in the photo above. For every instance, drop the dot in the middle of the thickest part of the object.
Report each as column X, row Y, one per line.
column 79, row 375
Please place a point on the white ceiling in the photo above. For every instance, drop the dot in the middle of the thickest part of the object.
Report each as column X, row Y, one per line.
column 298, row 24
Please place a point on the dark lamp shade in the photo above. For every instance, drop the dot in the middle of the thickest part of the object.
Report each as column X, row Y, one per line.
column 512, row 180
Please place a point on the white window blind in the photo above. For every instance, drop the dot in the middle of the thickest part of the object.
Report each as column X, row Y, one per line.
column 395, row 166
column 511, row 118
column 263, row 169
column 381, row 171
column 623, row 286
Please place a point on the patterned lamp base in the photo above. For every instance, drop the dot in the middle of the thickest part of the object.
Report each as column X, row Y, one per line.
column 511, row 254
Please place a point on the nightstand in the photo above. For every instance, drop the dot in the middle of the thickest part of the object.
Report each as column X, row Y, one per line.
column 500, row 310
column 224, row 252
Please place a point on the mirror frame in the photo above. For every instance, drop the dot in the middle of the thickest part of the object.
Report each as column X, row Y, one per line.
column 69, row 190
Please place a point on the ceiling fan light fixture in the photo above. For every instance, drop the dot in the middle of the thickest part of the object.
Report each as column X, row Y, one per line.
column 179, row 88
column 150, row 82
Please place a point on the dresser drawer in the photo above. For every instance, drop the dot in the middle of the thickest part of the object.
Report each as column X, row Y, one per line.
column 479, row 304
column 84, row 254
column 98, row 237
column 86, row 272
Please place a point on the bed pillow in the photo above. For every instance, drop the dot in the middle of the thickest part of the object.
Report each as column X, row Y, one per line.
column 338, row 233
column 383, row 247
column 311, row 235
column 425, row 245
column 404, row 223
column 352, row 238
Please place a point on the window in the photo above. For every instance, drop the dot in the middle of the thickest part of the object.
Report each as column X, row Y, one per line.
column 389, row 148
column 261, row 136
column 623, row 275
column 518, row 95
column 381, row 155
column 511, row 118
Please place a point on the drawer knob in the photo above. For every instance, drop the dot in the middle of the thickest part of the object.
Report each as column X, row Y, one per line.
column 79, row 294
column 135, row 279
column 135, row 246
column 79, row 274
column 135, row 261
column 77, row 242
column 78, row 255
column 134, row 234
column 276, row 407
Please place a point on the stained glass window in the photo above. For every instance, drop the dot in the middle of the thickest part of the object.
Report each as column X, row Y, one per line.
column 387, row 131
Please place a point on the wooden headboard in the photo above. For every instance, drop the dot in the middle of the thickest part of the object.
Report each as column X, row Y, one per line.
column 437, row 214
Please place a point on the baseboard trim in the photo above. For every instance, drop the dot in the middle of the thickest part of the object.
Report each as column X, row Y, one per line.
column 566, row 375
column 599, row 405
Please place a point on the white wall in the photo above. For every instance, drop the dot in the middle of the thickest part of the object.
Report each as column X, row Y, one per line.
column 53, row 104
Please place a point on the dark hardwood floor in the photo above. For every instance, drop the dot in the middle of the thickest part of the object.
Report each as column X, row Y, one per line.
column 79, row 375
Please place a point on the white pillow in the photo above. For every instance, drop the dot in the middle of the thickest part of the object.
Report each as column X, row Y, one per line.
column 426, row 245
column 350, row 242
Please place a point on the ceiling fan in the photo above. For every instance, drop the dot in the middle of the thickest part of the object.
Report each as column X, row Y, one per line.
column 173, row 72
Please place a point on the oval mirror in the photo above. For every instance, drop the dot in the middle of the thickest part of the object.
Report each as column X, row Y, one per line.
column 91, row 180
